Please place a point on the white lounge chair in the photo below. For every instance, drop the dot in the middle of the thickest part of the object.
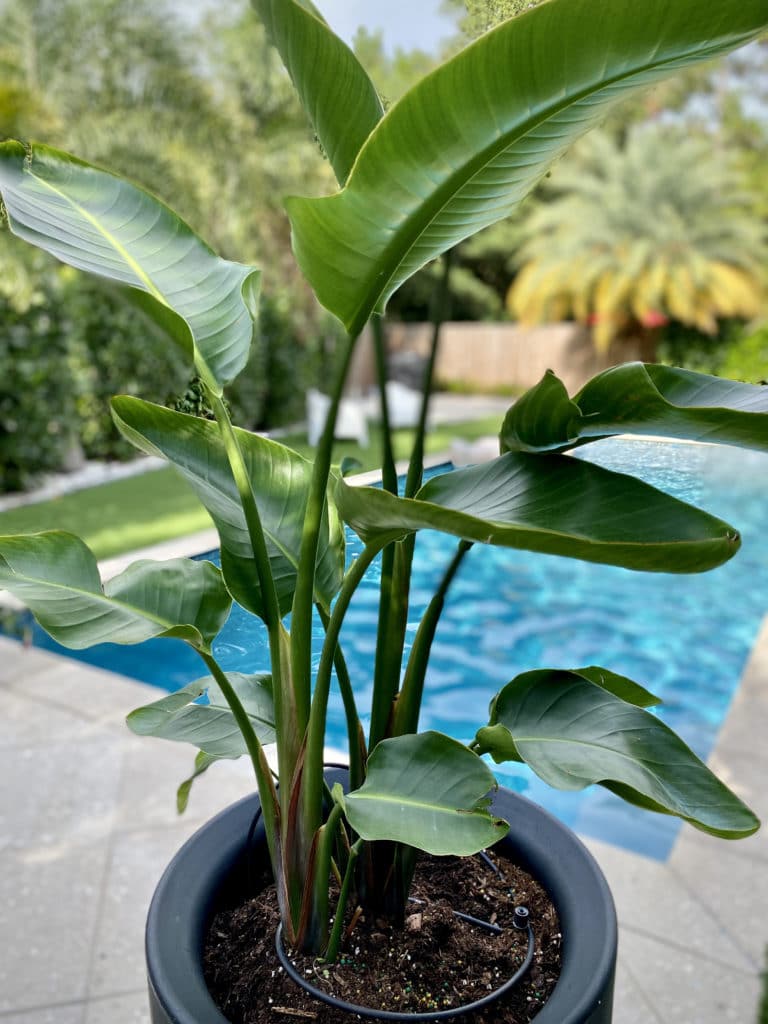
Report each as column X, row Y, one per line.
column 351, row 422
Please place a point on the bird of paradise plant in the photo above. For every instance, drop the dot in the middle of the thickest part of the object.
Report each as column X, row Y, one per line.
column 456, row 154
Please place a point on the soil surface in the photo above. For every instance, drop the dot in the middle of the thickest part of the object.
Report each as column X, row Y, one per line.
column 437, row 962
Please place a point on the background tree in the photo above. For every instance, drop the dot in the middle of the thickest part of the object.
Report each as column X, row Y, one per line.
column 482, row 15
column 633, row 235
column 392, row 74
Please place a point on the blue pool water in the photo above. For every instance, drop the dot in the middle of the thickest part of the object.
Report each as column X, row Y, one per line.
column 686, row 638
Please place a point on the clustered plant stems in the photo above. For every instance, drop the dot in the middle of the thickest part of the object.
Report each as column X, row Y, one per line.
column 393, row 611
column 302, row 858
column 396, row 571
column 299, row 842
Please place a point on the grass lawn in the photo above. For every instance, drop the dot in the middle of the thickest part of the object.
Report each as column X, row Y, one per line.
column 141, row 510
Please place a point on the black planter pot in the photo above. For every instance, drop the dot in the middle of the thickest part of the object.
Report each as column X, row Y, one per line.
column 211, row 868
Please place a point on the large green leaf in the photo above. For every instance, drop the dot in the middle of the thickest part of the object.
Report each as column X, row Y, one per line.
column 574, row 733
column 97, row 222
column 280, row 479
column 57, row 577
column 467, row 143
column 334, row 89
column 210, row 727
column 556, row 505
column 426, row 790
column 638, row 398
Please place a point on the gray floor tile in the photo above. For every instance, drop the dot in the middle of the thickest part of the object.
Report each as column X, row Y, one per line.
column 64, row 793
column 684, row 989
column 18, row 662
column 123, row 1009
column 756, row 669
column 650, row 898
column 95, row 694
column 49, row 900
column 26, row 721
column 137, row 861
column 744, row 730
column 152, row 772
column 630, row 1005
column 732, row 886
column 746, row 776
column 50, row 1015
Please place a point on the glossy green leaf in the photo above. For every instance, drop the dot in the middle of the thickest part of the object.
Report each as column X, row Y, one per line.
column 555, row 505
column 543, row 419
column 466, row 144
column 638, row 398
column 210, row 727
column 57, row 577
column 335, row 91
column 426, row 790
column 280, row 479
column 97, row 222
column 574, row 733
column 621, row 687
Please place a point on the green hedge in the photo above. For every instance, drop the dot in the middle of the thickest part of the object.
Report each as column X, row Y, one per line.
column 37, row 405
column 747, row 358
column 114, row 349
column 733, row 352
column 79, row 343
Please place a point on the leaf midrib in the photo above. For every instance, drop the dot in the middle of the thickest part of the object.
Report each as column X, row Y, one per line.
column 591, row 745
column 119, row 248
column 102, row 598
column 505, row 527
column 415, row 804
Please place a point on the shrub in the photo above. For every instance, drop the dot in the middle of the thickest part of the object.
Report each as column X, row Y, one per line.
column 37, row 407
column 747, row 358
column 113, row 349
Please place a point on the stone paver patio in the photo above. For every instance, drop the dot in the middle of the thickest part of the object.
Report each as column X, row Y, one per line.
column 88, row 822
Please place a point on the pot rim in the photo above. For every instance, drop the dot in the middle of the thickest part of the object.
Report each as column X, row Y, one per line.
column 186, row 894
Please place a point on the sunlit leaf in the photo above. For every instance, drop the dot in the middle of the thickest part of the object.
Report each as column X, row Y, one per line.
column 574, row 733
column 638, row 398
column 426, row 790
column 211, row 726
column 555, row 505
column 57, row 577
column 335, row 91
column 100, row 223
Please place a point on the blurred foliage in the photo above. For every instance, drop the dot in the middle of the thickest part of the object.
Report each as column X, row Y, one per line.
column 746, row 358
column 680, row 345
column 737, row 352
column 36, row 394
column 393, row 75
column 113, row 349
column 482, row 15
column 636, row 232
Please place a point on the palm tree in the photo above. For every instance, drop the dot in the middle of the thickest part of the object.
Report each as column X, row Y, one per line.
column 637, row 233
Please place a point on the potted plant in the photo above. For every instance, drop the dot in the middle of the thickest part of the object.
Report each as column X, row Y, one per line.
column 457, row 153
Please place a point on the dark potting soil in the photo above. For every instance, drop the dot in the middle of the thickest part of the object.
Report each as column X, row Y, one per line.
column 437, row 962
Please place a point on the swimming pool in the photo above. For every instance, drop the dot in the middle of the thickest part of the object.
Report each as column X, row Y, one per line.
column 686, row 638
